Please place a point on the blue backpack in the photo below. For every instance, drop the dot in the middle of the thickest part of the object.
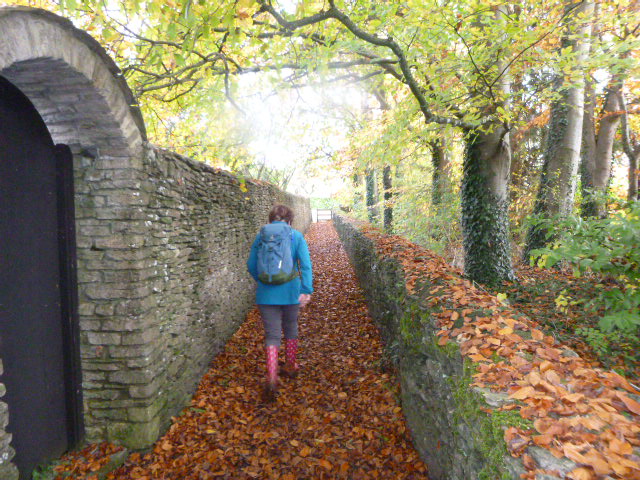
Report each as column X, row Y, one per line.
column 275, row 259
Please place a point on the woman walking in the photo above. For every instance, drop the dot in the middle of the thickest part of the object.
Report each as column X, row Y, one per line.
column 280, row 263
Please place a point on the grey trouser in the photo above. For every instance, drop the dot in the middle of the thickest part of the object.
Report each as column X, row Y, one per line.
column 277, row 318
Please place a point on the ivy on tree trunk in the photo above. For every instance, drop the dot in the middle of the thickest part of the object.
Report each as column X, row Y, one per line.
column 562, row 154
column 387, row 183
column 357, row 192
column 370, row 183
column 485, row 220
column 441, row 170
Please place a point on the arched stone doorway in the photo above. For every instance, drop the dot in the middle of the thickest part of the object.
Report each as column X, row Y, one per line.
column 57, row 86
column 38, row 332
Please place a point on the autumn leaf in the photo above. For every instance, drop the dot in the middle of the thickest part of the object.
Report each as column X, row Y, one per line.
column 579, row 412
column 631, row 404
column 590, row 457
column 620, row 447
column 522, row 393
column 537, row 334
column 581, row 473
column 572, row 404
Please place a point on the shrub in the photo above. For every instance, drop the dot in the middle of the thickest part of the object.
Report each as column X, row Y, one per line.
column 609, row 247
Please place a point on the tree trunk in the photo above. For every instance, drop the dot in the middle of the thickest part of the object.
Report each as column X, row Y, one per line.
column 372, row 200
column 588, row 152
column 632, row 150
column 387, row 183
column 604, row 152
column 357, row 196
column 485, row 195
column 634, row 178
column 559, row 171
column 441, row 181
column 516, row 142
column 485, row 220
column 596, row 170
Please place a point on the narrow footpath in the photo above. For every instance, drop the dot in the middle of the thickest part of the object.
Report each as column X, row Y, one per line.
column 340, row 418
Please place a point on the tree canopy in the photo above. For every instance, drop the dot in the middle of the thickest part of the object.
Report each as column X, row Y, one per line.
column 446, row 108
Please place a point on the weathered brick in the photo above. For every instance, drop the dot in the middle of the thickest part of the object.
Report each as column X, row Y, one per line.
column 131, row 377
column 143, row 338
column 104, row 338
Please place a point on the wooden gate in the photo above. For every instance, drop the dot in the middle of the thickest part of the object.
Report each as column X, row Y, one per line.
column 38, row 299
column 323, row 214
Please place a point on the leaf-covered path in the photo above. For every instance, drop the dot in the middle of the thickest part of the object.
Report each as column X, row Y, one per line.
column 339, row 419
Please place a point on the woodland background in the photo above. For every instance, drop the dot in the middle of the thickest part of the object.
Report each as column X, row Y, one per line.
column 503, row 135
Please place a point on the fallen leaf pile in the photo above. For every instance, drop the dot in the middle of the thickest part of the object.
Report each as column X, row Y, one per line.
column 586, row 414
column 86, row 462
column 536, row 293
column 339, row 419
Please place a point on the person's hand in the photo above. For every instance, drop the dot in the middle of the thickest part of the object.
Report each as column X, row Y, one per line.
column 304, row 298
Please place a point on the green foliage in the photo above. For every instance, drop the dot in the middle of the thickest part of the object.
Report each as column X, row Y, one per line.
column 433, row 225
column 510, row 418
column 327, row 203
column 46, row 471
column 473, row 62
column 564, row 301
column 608, row 345
column 436, row 227
column 609, row 247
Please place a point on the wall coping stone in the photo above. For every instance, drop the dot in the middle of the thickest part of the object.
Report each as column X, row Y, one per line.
column 206, row 168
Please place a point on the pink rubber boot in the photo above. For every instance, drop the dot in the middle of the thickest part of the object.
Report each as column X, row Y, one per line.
column 271, row 387
column 291, row 350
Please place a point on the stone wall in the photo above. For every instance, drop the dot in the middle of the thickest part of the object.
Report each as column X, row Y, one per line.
column 162, row 249
column 453, row 435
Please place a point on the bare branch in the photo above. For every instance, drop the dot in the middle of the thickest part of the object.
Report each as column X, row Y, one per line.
column 172, row 79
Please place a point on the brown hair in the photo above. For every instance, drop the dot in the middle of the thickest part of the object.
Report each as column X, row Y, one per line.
column 281, row 213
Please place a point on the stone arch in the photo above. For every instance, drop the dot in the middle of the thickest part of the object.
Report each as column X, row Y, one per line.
column 77, row 89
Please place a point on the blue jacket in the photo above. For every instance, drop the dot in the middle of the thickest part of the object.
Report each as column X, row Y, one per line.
column 286, row 293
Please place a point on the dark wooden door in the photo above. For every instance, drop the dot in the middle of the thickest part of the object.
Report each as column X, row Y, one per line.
column 37, row 286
